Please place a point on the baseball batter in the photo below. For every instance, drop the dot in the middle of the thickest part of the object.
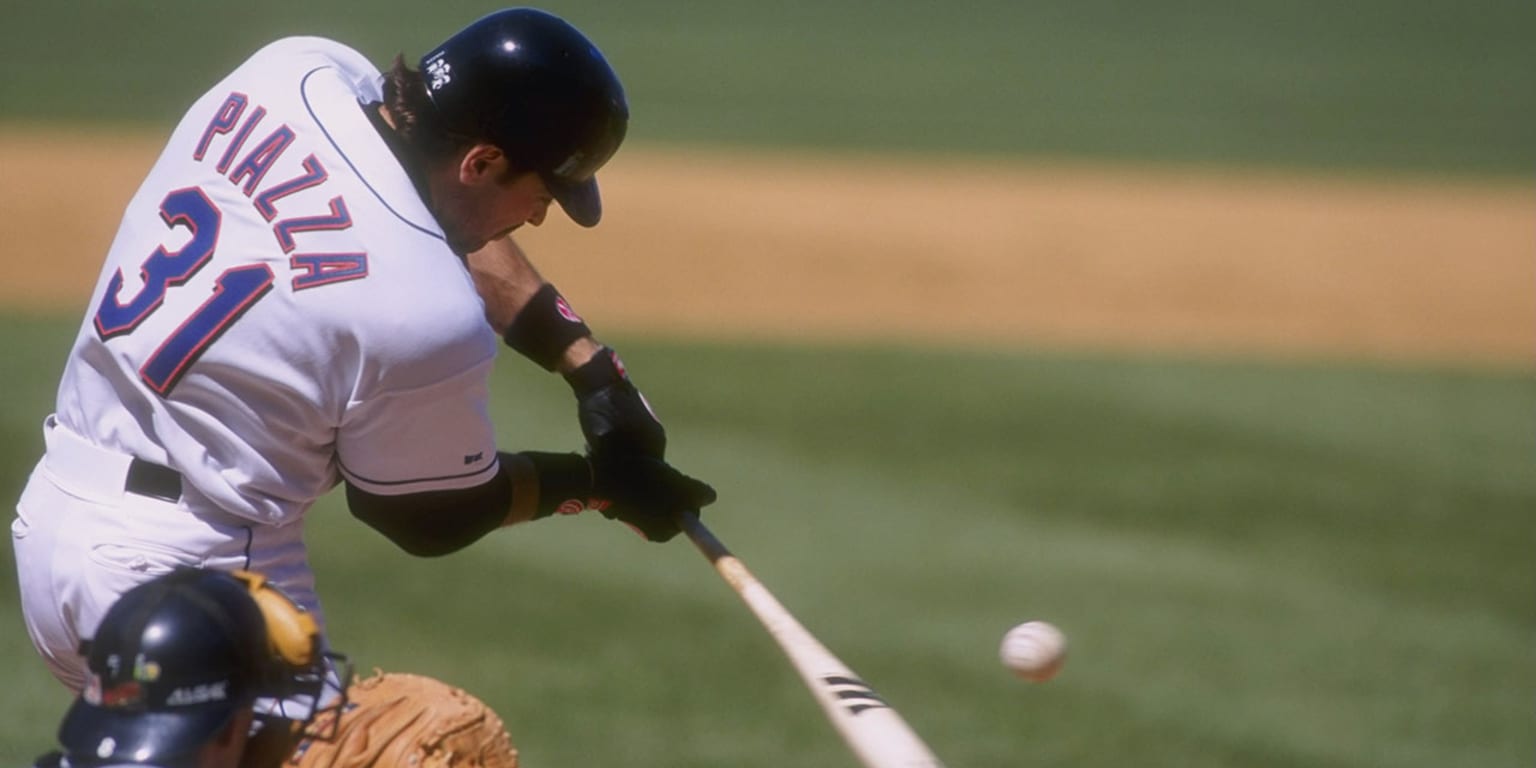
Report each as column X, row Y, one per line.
column 308, row 290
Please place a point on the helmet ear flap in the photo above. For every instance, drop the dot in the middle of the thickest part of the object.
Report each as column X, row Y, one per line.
column 292, row 634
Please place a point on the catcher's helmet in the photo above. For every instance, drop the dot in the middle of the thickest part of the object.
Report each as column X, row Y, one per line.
column 173, row 661
column 533, row 85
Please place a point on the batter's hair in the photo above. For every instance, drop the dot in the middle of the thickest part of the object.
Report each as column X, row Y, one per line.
column 417, row 124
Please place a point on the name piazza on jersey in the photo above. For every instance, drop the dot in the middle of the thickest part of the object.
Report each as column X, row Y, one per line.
column 313, row 269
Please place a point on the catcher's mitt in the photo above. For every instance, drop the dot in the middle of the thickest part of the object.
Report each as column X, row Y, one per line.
column 408, row 721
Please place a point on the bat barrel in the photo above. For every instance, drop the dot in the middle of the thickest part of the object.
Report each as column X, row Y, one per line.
column 873, row 730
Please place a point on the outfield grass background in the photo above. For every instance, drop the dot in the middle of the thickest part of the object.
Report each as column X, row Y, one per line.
column 1371, row 84
column 1258, row 563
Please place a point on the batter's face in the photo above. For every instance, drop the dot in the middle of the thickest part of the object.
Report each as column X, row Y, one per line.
column 481, row 199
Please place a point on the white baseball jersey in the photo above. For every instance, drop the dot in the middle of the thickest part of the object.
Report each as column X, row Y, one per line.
column 278, row 310
column 280, row 305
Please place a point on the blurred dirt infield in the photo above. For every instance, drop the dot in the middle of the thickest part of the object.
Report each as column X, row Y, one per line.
column 802, row 246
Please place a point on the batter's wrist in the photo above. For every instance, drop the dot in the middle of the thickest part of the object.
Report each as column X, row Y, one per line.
column 546, row 329
column 563, row 482
column 599, row 370
column 578, row 354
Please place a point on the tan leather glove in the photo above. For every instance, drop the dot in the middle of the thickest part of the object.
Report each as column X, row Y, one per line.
column 408, row 721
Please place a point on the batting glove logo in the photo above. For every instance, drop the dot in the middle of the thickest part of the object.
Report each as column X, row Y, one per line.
column 577, row 506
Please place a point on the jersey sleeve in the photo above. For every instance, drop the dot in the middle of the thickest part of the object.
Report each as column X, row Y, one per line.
column 431, row 438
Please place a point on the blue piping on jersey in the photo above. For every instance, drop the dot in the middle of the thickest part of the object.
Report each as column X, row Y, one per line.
column 304, row 94
column 250, row 536
column 488, row 467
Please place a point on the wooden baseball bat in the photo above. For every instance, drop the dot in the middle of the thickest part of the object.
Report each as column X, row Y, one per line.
column 871, row 727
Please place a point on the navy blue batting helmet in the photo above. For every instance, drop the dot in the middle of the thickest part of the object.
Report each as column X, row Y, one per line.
column 535, row 86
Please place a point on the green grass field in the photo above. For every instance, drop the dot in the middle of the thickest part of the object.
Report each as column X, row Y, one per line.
column 1257, row 565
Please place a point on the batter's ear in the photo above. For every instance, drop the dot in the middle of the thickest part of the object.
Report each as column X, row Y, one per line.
column 482, row 163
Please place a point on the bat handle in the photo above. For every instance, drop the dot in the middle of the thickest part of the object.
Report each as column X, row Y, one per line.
column 701, row 536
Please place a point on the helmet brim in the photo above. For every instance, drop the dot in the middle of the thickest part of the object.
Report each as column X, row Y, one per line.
column 99, row 735
column 579, row 199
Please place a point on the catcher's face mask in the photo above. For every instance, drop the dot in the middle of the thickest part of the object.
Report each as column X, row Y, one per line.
column 303, row 680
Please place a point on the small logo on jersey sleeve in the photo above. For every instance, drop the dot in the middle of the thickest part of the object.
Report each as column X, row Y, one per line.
column 473, row 457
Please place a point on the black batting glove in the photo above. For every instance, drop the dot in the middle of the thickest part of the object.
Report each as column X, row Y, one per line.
column 645, row 492
column 615, row 418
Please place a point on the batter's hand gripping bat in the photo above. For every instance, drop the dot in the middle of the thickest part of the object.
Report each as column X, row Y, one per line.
column 873, row 730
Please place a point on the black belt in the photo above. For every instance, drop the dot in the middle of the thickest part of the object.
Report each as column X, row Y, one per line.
column 152, row 480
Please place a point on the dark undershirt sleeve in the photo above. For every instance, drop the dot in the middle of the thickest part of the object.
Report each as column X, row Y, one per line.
column 435, row 523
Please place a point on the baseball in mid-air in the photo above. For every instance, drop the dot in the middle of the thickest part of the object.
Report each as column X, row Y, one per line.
column 1034, row 650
